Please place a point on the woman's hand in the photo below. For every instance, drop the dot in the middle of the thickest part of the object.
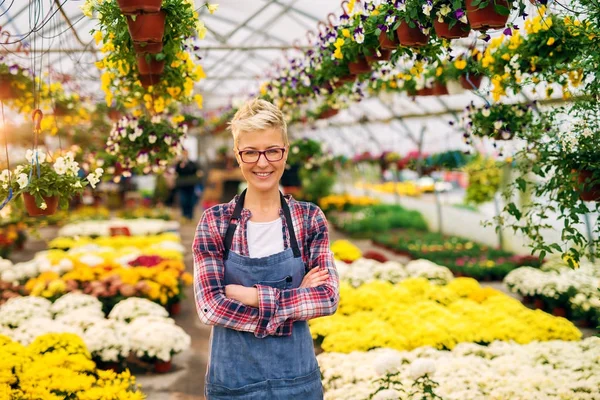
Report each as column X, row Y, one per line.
column 245, row 295
column 315, row 277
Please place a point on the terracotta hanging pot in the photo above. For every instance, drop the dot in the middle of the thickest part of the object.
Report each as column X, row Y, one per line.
column 487, row 17
column 475, row 80
column 34, row 211
column 328, row 113
column 174, row 308
column 6, row 89
column 425, row 91
column 539, row 303
column 114, row 115
column 385, row 56
column 411, row 37
column 151, row 67
column 161, row 367
column 135, row 6
column 61, row 111
column 387, row 43
column 147, row 47
column 360, row 66
column 440, row 89
column 591, row 192
column 149, row 80
column 559, row 312
column 147, row 27
column 443, row 30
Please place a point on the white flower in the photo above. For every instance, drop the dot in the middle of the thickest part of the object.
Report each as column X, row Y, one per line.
column 485, row 112
column 156, row 119
column 464, row 19
column 168, row 140
column 132, row 137
column 390, row 20
column 498, row 124
column 445, row 10
column 152, row 139
column 388, row 362
column 93, row 180
column 22, row 180
column 387, row 394
column 295, row 150
column 43, row 206
column 427, row 8
column 59, row 166
column 4, row 176
column 587, row 132
column 30, row 155
column 142, row 158
column 99, row 172
column 421, row 367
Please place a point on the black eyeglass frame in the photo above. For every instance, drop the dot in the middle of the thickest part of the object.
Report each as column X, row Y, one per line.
column 262, row 153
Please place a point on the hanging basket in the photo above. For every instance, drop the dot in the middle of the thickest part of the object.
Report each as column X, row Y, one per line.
column 425, row 92
column 486, row 18
column 475, row 80
column 443, row 30
column 6, row 89
column 385, row 56
column 411, row 37
column 328, row 113
column 61, row 111
column 135, row 6
column 387, row 43
column 147, row 47
column 147, row 27
column 360, row 66
column 161, row 367
column 440, row 89
column 591, row 192
column 34, row 211
column 152, row 67
column 149, row 80
column 174, row 308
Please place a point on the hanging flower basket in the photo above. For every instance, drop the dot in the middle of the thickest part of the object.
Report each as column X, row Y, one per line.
column 425, row 91
column 147, row 47
column 135, row 6
column 147, row 27
column 6, row 89
column 387, row 43
column 151, row 67
column 360, row 66
column 443, row 30
column 486, row 18
column 161, row 367
column 149, row 80
column 411, row 37
column 591, row 192
column 328, row 113
column 559, row 312
column 385, row 56
column 473, row 80
column 34, row 210
column 440, row 89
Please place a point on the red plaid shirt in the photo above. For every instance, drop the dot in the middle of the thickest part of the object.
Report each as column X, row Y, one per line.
column 278, row 309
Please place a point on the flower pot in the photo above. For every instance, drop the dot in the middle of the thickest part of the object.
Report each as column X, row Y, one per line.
column 147, row 47
column 174, row 308
column 134, row 6
column 387, row 43
column 439, row 89
column 6, row 89
column 487, row 17
column 152, row 67
column 425, row 91
column 583, row 323
column 61, row 111
column 328, row 113
column 343, row 80
column 114, row 115
column 589, row 192
column 147, row 27
column 412, row 37
column 105, row 365
column 527, row 300
column 161, row 367
column 385, row 56
column 538, row 303
column 443, row 30
column 149, row 80
column 560, row 312
column 34, row 210
column 360, row 66
column 472, row 82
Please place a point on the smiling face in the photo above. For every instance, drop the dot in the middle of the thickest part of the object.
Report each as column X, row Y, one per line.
column 262, row 175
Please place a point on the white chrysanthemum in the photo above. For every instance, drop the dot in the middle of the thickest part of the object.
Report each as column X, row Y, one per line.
column 134, row 307
column 158, row 340
column 74, row 301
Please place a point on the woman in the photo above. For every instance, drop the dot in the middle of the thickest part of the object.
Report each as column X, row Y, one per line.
column 263, row 267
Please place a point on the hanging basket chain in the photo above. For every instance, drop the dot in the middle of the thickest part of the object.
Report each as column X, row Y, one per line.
column 10, row 190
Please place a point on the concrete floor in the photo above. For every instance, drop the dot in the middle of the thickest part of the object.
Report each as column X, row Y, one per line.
column 186, row 380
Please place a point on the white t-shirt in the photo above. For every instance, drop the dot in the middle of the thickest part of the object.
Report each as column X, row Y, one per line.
column 265, row 238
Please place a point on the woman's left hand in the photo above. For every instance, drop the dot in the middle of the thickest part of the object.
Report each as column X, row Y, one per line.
column 246, row 295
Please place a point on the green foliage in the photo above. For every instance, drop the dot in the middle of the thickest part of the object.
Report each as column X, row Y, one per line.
column 381, row 218
column 484, row 180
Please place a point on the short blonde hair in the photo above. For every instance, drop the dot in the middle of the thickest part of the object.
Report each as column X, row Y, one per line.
column 258, row 115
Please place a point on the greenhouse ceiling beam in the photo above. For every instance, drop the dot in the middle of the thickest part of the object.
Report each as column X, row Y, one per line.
column 250, row 18
column 400, row 120
column 298, row 11
column 229, row 21
column 248, row 38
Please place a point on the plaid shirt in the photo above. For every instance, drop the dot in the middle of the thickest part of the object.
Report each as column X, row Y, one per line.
column 278, row 309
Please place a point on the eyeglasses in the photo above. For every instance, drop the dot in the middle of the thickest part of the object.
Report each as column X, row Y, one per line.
column 252, row 156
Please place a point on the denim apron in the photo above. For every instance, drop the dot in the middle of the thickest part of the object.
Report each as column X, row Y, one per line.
column 244, row 367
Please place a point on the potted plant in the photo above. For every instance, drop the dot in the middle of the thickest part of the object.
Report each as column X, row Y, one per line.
column 414, row 22
column 488, row 14
column 145, row 144
column 14, row 80
column 499, row 121
column 467, row 69
column 44, row 184
column 451, row 19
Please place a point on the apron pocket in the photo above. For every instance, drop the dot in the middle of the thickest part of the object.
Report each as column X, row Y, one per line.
column 284, row 283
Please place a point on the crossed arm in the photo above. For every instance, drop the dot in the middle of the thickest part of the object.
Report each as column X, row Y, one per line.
column 262, row 309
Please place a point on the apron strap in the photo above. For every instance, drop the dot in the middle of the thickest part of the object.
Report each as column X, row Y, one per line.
column 237, row 214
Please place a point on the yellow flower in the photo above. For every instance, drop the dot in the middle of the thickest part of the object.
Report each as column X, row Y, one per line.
column 550, row 41
column 346, row 33
column 201, row 29
column 199, row 100
column 460, row 63
column 98, row 37
column 173, row 91
column 212, row 7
